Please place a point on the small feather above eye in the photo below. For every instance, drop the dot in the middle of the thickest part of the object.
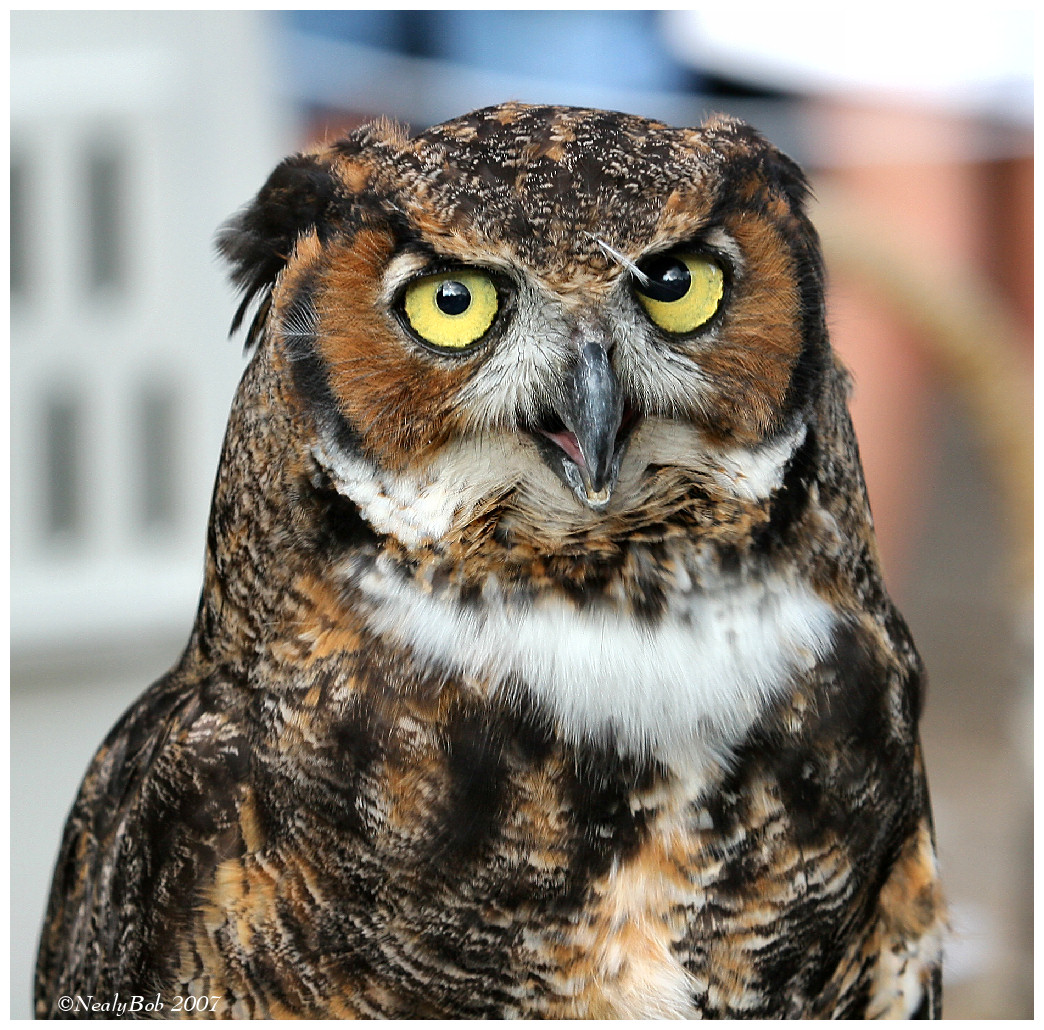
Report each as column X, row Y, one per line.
column 623, row 259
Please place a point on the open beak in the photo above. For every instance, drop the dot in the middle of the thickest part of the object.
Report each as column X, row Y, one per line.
column 586, row 428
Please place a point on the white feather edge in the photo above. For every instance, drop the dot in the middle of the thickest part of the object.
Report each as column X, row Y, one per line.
column 692, row 684
column 901, row 975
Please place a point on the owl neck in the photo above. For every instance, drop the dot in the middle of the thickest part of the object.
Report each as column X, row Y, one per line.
column 289, row 548
column 272, row 532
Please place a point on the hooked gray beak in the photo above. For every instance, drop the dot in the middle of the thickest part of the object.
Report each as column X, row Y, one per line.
column 588, row 442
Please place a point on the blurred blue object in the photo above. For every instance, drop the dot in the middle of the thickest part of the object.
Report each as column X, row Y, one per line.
column 619, row 47
column 622, row 48
column 385, row 30
column 421, row 67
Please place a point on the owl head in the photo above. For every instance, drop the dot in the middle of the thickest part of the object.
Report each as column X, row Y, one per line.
column 565, row 321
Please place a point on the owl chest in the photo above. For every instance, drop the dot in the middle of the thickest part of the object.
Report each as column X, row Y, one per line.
column 622, row 954
column 522, row 878
column 689, row 922
column 490, row 803
column 706, row 916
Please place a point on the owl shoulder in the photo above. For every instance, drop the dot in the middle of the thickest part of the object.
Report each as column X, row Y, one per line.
column 148, row 815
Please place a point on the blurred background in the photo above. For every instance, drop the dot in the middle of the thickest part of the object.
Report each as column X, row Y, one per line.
column 134, row 134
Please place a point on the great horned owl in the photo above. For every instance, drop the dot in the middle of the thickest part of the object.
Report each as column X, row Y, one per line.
column 543, row 665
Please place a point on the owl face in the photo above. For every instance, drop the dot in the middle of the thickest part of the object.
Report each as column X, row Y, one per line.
column 573, row 314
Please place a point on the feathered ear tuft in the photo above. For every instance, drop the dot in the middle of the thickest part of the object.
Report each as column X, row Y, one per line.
column 791, row 178
column 728, row 132
column 259, row 240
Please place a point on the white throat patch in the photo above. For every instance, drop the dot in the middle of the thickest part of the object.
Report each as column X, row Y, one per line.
column 690, row 685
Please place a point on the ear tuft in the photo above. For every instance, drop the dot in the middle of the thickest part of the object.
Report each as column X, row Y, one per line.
column 259, row 240
column 791, row 178
column 737, row 137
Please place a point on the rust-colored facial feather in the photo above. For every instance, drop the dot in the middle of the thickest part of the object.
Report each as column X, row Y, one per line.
column 400, row 399
column 751, row 361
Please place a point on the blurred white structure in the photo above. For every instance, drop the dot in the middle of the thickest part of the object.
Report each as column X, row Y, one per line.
column 133, row 136
column 972, row 65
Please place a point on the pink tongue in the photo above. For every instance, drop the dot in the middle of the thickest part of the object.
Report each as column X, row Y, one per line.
column 568, row 442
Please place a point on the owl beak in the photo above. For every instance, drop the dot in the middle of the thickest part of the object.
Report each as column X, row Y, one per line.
column 591, row 410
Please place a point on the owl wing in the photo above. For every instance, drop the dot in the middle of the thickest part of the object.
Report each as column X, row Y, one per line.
column 149, row 813
column 911, row 924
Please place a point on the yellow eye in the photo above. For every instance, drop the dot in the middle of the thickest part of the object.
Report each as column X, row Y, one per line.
column 682, row 290
column 452, row 309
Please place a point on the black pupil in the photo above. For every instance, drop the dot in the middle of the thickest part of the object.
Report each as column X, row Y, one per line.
column 669, row 279
column 452, row 297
